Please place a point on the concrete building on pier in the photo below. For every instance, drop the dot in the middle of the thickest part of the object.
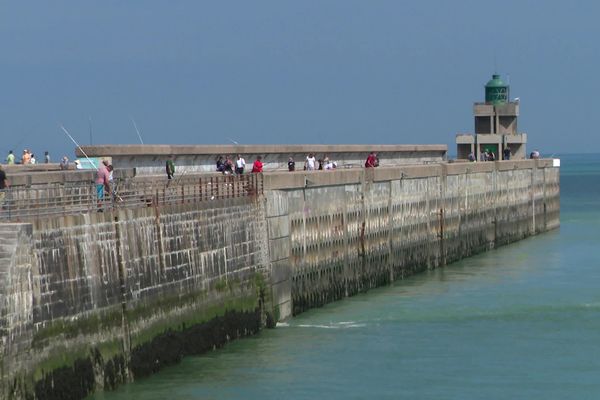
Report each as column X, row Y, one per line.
column 495, row 125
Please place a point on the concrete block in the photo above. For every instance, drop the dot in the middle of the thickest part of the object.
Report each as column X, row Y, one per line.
column 285, row 310
column 282, row 292
column 277, row 203
column 279, row 249
column 278, row 227
column 280, row 271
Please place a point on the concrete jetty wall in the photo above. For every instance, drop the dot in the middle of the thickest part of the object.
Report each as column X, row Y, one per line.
column 90, row 300
column 352, row 231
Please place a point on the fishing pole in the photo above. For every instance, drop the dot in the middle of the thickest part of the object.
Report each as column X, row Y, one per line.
column 90, row 126
column 137, row 130
column 78, row 146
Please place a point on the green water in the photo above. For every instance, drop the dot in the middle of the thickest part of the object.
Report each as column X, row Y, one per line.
column 520, row 322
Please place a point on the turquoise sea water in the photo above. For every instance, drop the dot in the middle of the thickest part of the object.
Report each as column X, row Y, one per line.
column 519, row 322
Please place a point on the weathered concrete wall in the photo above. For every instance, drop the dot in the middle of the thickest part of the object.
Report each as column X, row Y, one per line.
column 354, row 230
column 91, row 293
column 91, row 300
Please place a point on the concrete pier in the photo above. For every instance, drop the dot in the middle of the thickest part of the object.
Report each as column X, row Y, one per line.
column 89, row 300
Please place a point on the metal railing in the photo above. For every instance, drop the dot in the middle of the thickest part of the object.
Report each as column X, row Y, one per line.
column 21, row 204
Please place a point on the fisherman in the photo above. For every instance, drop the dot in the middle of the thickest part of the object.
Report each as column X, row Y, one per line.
column 102, row 183
column 170, row 167
column 10, row 159
column 64, row 163
column 26, row 157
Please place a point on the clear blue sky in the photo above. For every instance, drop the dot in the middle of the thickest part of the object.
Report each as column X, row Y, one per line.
column 293, row 71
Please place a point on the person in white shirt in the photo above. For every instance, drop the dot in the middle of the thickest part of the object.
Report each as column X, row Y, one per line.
column 32, row 159
column 309, row 165
column 240, row 164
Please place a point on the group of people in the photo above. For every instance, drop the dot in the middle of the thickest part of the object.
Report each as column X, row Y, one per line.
column 311, row 163
column 228, row 167
column 488, row 155
column 224, row 165
column 27, row 158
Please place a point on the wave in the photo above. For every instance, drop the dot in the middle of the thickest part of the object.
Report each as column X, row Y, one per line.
column 334, row 325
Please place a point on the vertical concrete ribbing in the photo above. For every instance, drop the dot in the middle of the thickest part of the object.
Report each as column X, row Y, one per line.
column 390, row 228
column 278, row 237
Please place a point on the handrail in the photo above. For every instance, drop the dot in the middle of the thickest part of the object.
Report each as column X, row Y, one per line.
column 21, row 204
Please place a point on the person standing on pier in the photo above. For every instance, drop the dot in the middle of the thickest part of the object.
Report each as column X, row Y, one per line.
column 3, row 180
column 64, row 163
column 102, row 183
column 309, row 164
column 170, row 167
column 10, row 159
column 240, row 164
column 371, row 160
column 46, row 157
column 258, row 165
column 228, row 166
column 3, row 184
column 26, row 158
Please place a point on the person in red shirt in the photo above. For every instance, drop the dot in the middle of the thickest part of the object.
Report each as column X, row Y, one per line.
column 371, row 160
column 258, row 165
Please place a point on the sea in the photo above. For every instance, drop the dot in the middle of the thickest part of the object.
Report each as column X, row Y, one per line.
column 518, row 322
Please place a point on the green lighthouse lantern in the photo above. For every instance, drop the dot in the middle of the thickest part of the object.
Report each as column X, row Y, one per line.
column 496, row 91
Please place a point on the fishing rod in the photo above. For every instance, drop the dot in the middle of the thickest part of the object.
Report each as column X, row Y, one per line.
column 90, row 128
column 78, row 146
column 137, row 130
column 179, row 177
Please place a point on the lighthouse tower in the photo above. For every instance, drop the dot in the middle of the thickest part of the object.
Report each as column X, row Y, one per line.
column 495, row 125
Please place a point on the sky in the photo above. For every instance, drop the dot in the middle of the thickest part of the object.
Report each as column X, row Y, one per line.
column 292, row 72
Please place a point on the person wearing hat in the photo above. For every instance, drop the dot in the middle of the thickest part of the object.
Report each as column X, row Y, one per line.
column 26, row 157
column 78, row 164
